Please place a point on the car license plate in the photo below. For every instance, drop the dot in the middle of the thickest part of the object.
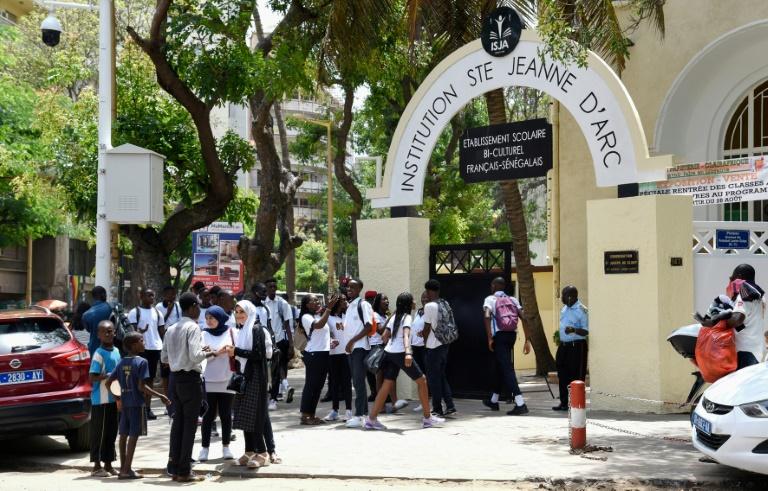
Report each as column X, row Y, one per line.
column 702, row 424
column 23, row 377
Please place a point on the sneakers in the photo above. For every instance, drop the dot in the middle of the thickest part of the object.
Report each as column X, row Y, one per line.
column 214, row 434
column 450, row 412
column 226, row 454
column 431, row 421
column 203, row 456
column 289, row 395
column 417, row 408
column 400, row 404
column 347, row 415
column 493, row 406
column 332, row 416
column 150, row 415
column 272, row 405
column 373, row 424
column 355, row 422
column 518, row 411
column 388, row 408
column 560, row 408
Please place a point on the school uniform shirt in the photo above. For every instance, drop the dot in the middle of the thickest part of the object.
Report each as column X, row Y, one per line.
column 490, row 305
column 334, row 323
column 573, row 316
column 103, row 362
column 376, row 338
column 151, row 320
column 217, row 372
column 321, row 338
column 129, row 372
column 752, row 337
column 417, row 326
column 279, row 312
column 183, row 348
column 353, row 325
column 201, row 320
column 264, row 317
column 231, row 322
column 173, row 317
column 431, row 316
column 396, row 343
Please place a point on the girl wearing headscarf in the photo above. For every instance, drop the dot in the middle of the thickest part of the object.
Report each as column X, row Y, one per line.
column 216, row 374
column 253, row 347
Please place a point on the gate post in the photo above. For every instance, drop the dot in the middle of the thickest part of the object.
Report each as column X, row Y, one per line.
column 393, row 257
column 640, row 269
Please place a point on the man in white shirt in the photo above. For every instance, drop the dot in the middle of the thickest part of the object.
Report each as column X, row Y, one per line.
column 169, row 307
column 437, row 354
column 281, row 317
column 150, row 323
column 748, row 318
column 356, row 330
column 226, row 300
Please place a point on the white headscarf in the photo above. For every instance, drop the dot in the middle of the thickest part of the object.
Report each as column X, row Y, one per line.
column 245, row 336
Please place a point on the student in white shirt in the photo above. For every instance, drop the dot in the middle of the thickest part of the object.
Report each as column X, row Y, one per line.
column 216, row 374
column 381, row 311
column 281, row 315
column 150, row 323
column 437, row 354
column 748, row 317
column 339, row 376
column 356, row 329
column 316, row 354
column 399, row 355
column 169, row 307
column 417, row 342
column 205, row 304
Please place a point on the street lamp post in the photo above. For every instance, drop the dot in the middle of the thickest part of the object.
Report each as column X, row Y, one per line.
column 103, row 232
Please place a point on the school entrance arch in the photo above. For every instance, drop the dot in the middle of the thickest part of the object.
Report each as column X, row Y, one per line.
column 394, row 253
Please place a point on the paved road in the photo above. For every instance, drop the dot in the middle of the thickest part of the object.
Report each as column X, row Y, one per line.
column 476, row 445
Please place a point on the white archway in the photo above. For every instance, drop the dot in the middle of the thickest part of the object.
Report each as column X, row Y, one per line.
column 593, row 94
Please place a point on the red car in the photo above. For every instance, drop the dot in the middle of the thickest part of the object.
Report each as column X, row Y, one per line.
column 44, row 386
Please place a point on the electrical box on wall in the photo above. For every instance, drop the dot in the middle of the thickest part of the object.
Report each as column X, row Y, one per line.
column 134, row 185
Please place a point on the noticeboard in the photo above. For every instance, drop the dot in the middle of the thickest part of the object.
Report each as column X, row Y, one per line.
column 732, row 239
column 506, row 151
column 621, row 262
column 215, row 260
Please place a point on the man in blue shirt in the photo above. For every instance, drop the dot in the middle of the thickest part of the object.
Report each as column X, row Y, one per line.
column 572, row 353
column 99, row 311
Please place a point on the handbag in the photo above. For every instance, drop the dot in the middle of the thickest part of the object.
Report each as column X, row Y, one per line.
column 374, row 357
column 237, row 383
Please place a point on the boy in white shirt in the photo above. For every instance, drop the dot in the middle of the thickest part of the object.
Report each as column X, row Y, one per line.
column 150, row 323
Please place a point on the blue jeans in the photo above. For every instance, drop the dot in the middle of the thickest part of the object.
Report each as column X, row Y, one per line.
column 437, row 361
column 503, row 342
column 357, row 367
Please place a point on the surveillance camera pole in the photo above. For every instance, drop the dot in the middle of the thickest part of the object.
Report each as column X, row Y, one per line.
column 103, row 232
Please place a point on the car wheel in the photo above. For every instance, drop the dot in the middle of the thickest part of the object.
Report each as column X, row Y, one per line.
column 79, row 439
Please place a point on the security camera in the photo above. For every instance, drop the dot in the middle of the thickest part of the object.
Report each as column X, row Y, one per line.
column 51, row 28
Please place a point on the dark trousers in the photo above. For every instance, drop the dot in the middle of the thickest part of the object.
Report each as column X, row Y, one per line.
column 104, row 419
column 358, row 370
column 745, row 359
column 274, row 367
column 571, row 362
column 269, row 436
column 340, row 381
column 371, row 379
column 420, row 357
column 503, row 343
column 283, row 361
column 221, row 403
column 254, row 441
column 187, row 397
column 437, row 361
column 316, row 363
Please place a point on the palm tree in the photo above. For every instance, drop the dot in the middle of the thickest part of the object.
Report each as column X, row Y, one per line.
column 593, row 24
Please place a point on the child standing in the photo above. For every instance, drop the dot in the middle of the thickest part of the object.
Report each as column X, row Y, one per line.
column 132, row 373
column 103, row 406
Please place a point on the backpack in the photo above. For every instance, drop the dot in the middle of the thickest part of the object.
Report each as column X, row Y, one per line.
column 300, row 338
column 506, row 314
column 120, row 320
column 445, row 331
column 374, row 324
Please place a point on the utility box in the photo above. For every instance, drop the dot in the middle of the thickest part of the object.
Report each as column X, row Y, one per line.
column 134, row 185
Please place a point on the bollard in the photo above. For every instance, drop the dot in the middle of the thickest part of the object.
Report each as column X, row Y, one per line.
column 577, row 414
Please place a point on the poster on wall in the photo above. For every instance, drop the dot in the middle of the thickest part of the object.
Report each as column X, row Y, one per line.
column 716, row 182
column 215, row 260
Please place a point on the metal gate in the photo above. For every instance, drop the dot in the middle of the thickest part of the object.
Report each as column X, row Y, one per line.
column 465, row 273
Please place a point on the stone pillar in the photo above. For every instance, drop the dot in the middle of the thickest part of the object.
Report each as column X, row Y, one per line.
column 393, row 255
column 631, row 314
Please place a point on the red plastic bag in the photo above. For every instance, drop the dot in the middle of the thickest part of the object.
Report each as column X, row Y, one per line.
column 716, row 351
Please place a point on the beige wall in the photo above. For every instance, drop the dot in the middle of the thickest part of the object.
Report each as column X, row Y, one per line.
column 549, row 317
column 632, row 314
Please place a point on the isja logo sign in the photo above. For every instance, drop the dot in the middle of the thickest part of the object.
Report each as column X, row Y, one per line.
column 501, row 31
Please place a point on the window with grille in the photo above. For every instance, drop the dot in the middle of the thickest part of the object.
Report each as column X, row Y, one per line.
column 745, row 135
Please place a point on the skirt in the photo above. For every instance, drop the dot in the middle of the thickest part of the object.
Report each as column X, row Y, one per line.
column 250, row 408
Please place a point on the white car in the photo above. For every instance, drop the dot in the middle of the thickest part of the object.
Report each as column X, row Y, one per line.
column 730, row 423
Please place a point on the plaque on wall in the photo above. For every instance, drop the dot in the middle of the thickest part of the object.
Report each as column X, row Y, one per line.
column 621, row 262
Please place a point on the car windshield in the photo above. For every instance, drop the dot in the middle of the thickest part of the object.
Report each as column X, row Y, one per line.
column 24, row 335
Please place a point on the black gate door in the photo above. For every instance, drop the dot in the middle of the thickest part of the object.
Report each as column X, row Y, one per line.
column 465, row 273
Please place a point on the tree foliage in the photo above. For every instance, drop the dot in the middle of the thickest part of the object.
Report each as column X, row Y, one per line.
column 311, row 267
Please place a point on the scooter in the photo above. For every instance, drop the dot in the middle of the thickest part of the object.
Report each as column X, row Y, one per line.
column 684, row 342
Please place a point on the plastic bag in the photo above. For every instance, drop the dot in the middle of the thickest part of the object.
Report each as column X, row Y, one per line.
column 716, row 351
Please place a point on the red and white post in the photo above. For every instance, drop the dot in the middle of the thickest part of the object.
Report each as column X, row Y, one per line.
column 577, row 414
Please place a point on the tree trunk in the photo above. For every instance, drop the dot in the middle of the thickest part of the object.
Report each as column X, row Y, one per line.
column 513, row 206
column 340, row 161
column 290, row 260
column 151, row 265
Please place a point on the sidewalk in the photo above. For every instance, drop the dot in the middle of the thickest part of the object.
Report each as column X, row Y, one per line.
column 477, row 445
